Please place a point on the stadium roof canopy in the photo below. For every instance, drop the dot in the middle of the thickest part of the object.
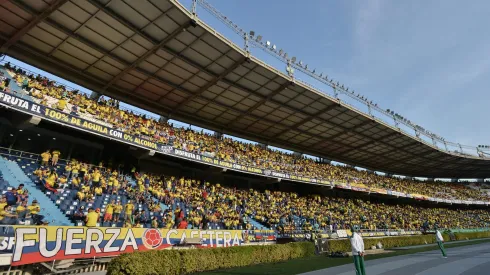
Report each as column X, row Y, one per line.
column 153, row 55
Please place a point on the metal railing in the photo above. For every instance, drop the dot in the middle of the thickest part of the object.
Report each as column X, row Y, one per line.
column 393, row 120
column 8, row 152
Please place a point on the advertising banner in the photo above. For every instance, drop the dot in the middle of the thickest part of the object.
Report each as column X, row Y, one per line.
column 34, row 244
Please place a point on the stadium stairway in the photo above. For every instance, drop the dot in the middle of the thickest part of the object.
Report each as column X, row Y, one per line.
column 256, row 224
column 14, row 175
column 20, row 169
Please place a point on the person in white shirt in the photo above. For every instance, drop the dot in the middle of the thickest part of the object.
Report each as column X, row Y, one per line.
column 357, row 251
column 440, row 242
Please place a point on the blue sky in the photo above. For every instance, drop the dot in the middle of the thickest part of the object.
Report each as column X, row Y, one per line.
column 427, row 60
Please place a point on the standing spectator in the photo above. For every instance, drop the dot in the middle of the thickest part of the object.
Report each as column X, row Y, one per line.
column 45, row 158
column 55, row 158
column 109, row 211
column 117, row 211
column 183, row 224
column 11, row 197
column 92, row 218
column 154, row 222
column 96, row 177
column 357, row 251
column 128, row 212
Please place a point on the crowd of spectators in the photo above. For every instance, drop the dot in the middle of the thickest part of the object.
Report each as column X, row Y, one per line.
column 14, row 209
column 107, row 112
column 232, row 208
column 212, row 203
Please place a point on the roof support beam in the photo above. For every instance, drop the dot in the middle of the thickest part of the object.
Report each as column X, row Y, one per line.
column 366, row 122
column 69, row 33
column 37, row 18
column 410, row 157
column 320, row 118
column 123, row 21
column 148, row 53
column 211, row 83
column 372, row 141
column 77, row 30
column 135, row 32
column 307, row 119
column 281, row 88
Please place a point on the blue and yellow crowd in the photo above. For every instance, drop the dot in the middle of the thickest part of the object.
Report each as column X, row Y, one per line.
column 232, row 208
column 212, row 203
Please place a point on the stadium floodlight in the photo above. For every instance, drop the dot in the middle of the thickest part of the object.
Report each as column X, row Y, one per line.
column 259, row 38
column 347, row 89
column 306, row 66
column 321, row 75
column 268, row 43
column 252, row 33
column 300, row 63
column 293, row 59
column 274, row 47
column 314, row 71
column 281, row 52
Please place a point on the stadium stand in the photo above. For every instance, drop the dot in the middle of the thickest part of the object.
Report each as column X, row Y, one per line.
column 94, row 179
column 107, row 112
column 59, row 183
column 74, row 188
column 149, row 200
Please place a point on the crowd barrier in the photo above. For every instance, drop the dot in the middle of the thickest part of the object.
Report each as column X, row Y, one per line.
column 305, row 235
column 77, row 122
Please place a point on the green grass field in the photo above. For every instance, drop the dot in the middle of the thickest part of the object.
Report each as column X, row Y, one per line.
column 302, row 265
